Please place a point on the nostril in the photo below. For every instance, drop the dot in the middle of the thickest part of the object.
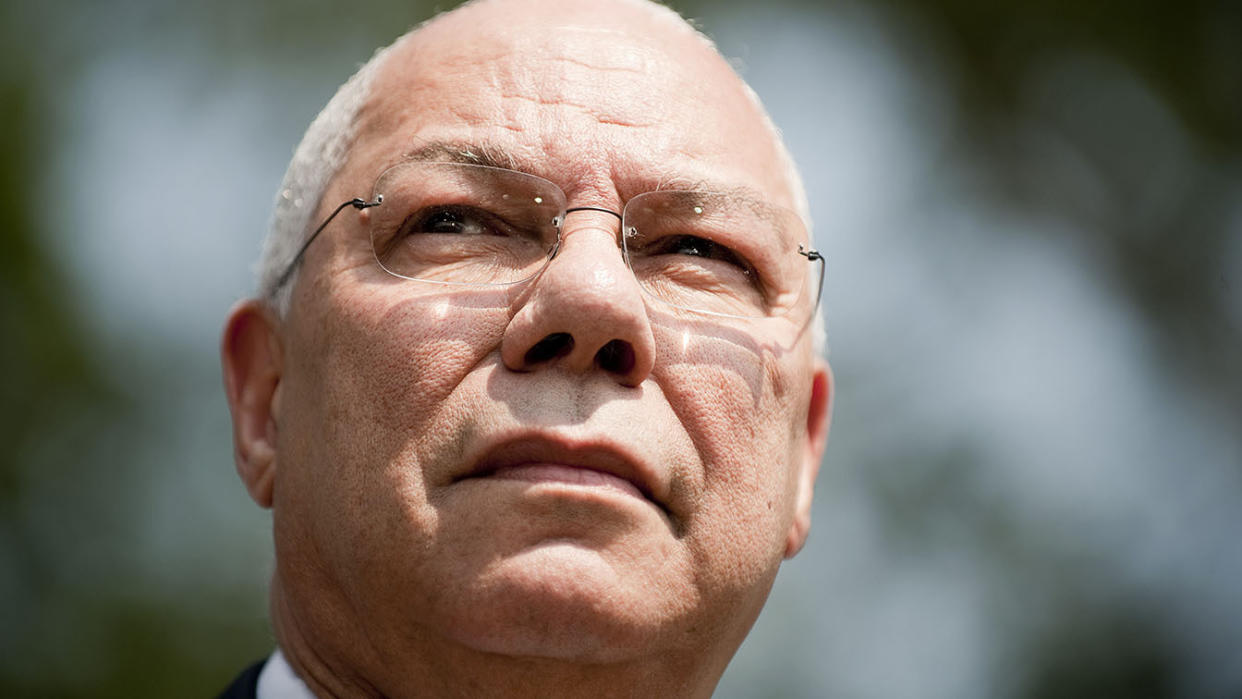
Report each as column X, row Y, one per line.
column 550, row 347
column 617, row 356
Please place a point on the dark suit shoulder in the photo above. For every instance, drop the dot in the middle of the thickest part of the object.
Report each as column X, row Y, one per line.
column 246, row 684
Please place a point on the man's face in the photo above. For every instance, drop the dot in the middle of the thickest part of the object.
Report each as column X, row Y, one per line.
column 435, row 478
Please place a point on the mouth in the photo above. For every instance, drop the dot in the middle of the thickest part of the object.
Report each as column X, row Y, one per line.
column 584, row 464
column 563, row 473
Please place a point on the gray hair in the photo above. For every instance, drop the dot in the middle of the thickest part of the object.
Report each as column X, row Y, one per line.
column 325, row 146
column 316, row 161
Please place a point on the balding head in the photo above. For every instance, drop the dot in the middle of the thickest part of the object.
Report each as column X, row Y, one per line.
column 542, row 416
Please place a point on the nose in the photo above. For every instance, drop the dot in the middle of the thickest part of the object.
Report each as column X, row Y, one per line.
column 585, row 311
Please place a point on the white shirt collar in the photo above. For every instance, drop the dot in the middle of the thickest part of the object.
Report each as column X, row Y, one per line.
column 278, row 681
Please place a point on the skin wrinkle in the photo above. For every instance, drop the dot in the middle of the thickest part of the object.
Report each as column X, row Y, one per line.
column 325, row 672
column 585, row 109
column 636, row 70
column 495, row 157
column 491, row 155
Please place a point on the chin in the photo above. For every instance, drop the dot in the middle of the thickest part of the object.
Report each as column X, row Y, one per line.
column 562, row 601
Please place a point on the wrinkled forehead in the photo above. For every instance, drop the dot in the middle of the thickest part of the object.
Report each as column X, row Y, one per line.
column 607, row 100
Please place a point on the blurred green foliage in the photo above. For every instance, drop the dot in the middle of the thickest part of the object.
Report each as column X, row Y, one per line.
column 1170, row 262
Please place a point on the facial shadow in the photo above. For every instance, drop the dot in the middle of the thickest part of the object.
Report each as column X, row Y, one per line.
column 548, row 395
column 741, row 347
column 477, row 317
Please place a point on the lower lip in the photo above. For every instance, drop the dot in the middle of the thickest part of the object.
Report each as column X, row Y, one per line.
column 553, row 473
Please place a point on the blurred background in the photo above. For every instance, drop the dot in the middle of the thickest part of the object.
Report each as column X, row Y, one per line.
column 1032, row 215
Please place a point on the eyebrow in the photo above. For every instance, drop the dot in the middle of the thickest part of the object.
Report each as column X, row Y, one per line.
column 467, row 153
column 739, row 193
column 497, row 157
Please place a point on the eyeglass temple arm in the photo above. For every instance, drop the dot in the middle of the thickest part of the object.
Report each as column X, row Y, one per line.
column 355, row 202
column 814, row 256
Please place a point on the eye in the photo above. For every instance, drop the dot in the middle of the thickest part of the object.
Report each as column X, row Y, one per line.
column 694, row 246
column 454, row 220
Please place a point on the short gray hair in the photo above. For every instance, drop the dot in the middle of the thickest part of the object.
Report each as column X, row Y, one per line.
column 316, row 161
column 325, row 147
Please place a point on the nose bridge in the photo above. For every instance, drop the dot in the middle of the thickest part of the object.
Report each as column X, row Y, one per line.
column 598, row 209
column 590, row 257
column 587, row 233
column 580, row 219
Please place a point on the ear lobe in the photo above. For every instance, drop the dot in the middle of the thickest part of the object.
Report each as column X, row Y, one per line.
column 251, row 355
column 819, row 415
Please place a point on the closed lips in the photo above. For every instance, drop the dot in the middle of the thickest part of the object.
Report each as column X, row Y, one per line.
column 540, row 459
column 564, row 473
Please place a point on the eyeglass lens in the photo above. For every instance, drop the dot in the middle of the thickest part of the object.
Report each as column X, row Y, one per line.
column 476, row 225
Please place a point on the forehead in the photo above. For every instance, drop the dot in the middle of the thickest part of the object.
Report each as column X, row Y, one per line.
column 606, row 104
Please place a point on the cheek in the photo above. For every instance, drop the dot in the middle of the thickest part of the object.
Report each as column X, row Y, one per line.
column 364, row 406
column 392, row 365
column 739, row 405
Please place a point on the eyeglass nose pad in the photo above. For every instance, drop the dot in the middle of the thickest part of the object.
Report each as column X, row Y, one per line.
column 557, row 221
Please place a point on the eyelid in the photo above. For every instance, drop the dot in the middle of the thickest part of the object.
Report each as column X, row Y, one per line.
column 489, row 221
column 726, row 253
column 763, row 255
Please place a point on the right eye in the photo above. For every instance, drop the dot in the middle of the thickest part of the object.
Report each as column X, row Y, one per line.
column 453, row 220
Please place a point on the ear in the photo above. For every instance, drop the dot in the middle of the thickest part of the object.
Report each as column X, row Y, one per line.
column 251, row 354
column 819, row 414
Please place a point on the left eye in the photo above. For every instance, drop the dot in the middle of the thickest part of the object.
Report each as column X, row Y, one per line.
column 695, row 246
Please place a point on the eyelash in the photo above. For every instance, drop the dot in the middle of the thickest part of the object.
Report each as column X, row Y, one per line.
column 712, row 250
